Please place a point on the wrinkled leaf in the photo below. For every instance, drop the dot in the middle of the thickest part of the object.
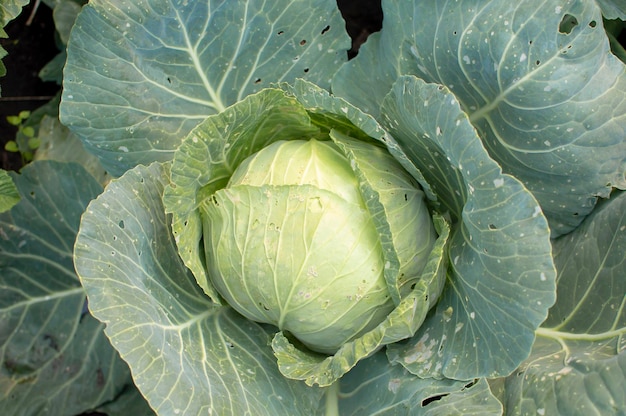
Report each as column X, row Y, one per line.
column 400, row 323
column 330, row 112
column 275, row 254
column 188, row 355
column 501, row 279
column 9, row 196
column 141, row 74
column 374, row 387
column 536, row 78
column 578, row 363
column 207, row 158
column 498, row 215
column 54, row 357
column 396, row 205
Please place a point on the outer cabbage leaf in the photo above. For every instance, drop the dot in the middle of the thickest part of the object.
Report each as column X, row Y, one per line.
column 578, row 363
column 612, row 9
column 205, row 162
column 58, row 143
column 494, row 302
column 376, row 388
column 54, row 357
column 10, row 9
column 9, row 196
column 64, row 14
column 209, row 155
column 188, row 355
column 501, row 279
column 141, row 74
column 536, row 78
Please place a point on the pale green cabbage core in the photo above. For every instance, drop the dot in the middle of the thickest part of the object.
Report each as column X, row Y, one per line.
column 301, row 162
column 290, row 242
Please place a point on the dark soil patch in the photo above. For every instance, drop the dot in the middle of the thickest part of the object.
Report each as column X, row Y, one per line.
column 362, row 17
column 30, row 48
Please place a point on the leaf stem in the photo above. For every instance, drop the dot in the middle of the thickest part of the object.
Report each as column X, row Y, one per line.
column 551, row 333
column 332, row 399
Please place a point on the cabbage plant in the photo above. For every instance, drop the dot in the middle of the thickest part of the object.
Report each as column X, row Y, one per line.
column 433, row 227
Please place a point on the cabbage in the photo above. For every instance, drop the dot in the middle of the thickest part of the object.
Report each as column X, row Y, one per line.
column 290, row 241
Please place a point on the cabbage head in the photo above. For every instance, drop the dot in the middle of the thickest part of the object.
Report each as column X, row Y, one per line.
column 297, row 218
column 291, row 242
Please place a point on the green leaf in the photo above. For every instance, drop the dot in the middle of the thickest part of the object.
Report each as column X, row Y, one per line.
column 64, row 15
column 130, row 402
column 34, row 143
column 548, row 103
column 53, row 70
column 58, row 143
column 14, row 120
column 501, row 279
column 400, row 323
column 10, row 9
column 211, row 152
column 396, row 205
column 591, row 267
column 188, row 354
column 30, row 133
column 612, row 9
column 330, row 112
column 51, row 109
column 578, row 363
column 54, row 357
column 9, row 195
column 375, row 387
column 292, row 279
column 141, row 74
column 11, row 146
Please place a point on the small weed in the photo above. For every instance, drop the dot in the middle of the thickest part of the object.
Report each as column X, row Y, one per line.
column 30, row 142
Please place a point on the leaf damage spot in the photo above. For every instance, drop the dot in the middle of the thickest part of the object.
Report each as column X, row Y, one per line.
column 567, row 24
column 431, row 399
column 394, row 385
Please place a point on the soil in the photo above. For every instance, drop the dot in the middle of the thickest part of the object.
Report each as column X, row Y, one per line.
column 362, row 17
column 30, row 46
